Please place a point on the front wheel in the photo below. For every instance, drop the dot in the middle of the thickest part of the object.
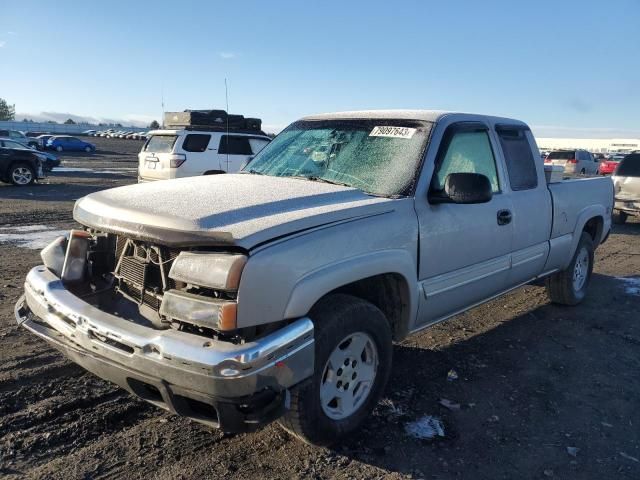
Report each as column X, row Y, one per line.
column 87, row 149
column 569, row 287
column 353, row 353
column 59, row 148
column 22, row 174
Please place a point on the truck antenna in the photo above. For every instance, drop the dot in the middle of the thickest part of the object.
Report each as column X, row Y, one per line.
column 226, row 96
column 162, row 102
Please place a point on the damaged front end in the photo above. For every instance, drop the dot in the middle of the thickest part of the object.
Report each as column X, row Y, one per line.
column 161, row 323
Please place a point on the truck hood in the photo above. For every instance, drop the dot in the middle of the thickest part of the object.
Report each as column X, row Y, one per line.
column 240, row 210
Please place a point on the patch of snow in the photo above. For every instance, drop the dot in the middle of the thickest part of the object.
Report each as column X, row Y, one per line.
column 631, row 285
column 35, row 237
column 425, row 428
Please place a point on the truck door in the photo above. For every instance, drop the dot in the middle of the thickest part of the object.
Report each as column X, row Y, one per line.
column 464, row 248
column 531, row 202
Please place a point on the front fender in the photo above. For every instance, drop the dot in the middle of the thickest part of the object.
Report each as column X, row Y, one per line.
column 316, row 284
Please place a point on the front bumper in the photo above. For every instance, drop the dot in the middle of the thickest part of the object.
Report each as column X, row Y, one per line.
column 233, row 387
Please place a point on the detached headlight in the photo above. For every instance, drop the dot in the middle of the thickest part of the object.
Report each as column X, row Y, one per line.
column 219, row 271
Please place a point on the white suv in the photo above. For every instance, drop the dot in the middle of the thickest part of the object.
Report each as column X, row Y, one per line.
column 196, row 151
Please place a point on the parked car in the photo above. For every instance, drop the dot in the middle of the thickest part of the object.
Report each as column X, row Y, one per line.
column 574, row 161
column 19, row 137
column 277, row 292
column 21, row 166
column 64, row 143
column 188, row 152
column 88, row 133
column 42, row 141
column 607, row 166
column 626, row 183
column 49, row 161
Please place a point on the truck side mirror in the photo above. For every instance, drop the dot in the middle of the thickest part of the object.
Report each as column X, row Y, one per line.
column 464, row 188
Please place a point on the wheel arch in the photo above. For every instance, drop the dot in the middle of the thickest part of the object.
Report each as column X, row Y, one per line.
column 213, row 172
column 386, row 279
column 592, row 221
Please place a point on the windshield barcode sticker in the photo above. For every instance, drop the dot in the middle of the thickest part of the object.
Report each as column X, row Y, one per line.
column 394, row 132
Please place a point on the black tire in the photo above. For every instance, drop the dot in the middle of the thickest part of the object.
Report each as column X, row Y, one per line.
column 561, row 287
column 618, row 217
column 335, row 318
column 583, row 172
column 21, row 167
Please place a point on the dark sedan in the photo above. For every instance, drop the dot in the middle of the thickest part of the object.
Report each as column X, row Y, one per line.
column 20, row 166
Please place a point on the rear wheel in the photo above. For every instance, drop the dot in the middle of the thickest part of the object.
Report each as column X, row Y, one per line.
column 87, row 149
column 59, row 148
column 569, row 287
column 352, row 364
column 583, row 171
column 22, row 174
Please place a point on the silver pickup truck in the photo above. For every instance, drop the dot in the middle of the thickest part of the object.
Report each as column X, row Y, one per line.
column 277, row 292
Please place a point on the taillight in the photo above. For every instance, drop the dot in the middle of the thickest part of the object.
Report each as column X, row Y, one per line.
column 547, row 160
column 177, row 159
column 572, row 160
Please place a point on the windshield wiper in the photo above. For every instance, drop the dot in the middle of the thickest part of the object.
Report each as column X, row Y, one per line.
column 324, row 180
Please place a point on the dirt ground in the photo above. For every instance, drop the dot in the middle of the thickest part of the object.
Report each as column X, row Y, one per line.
column 541, row 391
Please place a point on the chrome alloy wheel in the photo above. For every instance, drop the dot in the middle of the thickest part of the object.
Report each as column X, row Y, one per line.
column 348, row 376
column 21, row 176
column 581, row 270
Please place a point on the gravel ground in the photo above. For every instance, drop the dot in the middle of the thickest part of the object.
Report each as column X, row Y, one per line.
column 541, row 391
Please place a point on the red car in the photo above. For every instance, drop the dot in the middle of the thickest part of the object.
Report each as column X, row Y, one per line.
column 607, row 167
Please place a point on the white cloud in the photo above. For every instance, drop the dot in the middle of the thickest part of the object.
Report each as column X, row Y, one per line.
column 227, row 55
column 11, row 33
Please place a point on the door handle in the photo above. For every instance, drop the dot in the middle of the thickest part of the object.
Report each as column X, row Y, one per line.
column 504, row 217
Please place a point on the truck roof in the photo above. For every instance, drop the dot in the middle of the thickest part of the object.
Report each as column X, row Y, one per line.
column 425, row 115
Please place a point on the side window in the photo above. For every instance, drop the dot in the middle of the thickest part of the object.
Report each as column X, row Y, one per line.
column 257, row 144
column 196, row 142
column 467, row 152
column 234, row 145
column 521, row 165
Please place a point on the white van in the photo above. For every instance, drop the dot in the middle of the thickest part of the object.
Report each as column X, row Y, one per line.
column 195, row 151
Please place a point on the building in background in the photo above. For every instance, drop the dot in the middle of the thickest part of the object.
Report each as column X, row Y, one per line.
column 597, row 145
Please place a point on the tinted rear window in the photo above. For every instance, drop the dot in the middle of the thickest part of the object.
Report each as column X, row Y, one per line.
column 561, row 155
column 160, row 143
column 235, row 145
column 196, row 142
column 630, row 166
column 521, row 165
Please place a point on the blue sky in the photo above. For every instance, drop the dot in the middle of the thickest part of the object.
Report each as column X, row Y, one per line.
column 568, row 68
